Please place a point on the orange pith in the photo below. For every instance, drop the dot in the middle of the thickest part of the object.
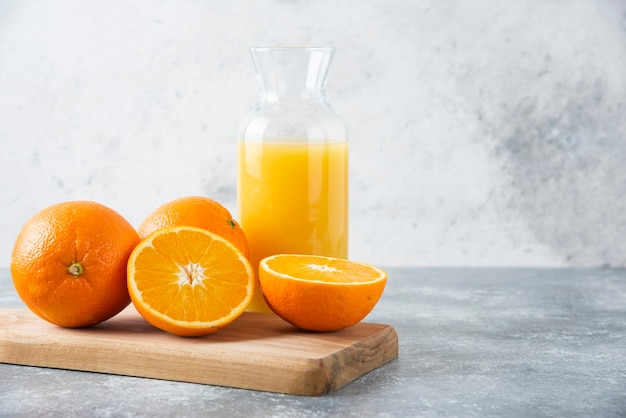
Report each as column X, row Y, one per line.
column 69, row 263
column 189, row 281
column 320, row 293
column 198, row 211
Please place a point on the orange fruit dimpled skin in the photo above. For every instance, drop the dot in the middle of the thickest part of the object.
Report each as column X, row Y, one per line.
column 319, row 293
column 189, row 281
column 200, row 212
column 69, row 263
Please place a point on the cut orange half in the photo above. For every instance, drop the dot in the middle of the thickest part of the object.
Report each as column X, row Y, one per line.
column 320, row 293
column 189, row 281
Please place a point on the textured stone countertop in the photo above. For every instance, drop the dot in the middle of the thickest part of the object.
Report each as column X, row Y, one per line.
column 473, row 343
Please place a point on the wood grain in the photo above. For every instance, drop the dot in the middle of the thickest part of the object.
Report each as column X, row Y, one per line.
column 258, row 351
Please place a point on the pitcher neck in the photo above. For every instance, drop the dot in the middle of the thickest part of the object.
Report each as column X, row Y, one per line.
column 292, row 73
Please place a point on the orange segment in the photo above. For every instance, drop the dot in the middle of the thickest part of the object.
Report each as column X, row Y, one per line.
column 319, row 293
column 189, row 281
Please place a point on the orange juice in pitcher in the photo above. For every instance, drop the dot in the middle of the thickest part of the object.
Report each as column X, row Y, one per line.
column 292, row 184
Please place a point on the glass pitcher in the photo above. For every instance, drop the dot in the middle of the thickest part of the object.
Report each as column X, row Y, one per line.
column 292, row 183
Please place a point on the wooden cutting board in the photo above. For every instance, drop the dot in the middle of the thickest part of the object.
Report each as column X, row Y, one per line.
column 258, row 351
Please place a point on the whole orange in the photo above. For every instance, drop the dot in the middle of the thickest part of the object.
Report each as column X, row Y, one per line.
column 69, row 263
column 200, row 212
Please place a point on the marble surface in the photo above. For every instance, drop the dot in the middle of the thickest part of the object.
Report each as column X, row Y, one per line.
column 483, row 133
column 474, row 342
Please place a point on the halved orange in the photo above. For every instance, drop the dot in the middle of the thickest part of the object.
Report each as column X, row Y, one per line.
column 319, row 293
column 189, row 281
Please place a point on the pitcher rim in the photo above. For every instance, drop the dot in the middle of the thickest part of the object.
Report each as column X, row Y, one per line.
column 292, row 48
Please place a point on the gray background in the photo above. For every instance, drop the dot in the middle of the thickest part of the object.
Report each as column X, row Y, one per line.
column 483, row 133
